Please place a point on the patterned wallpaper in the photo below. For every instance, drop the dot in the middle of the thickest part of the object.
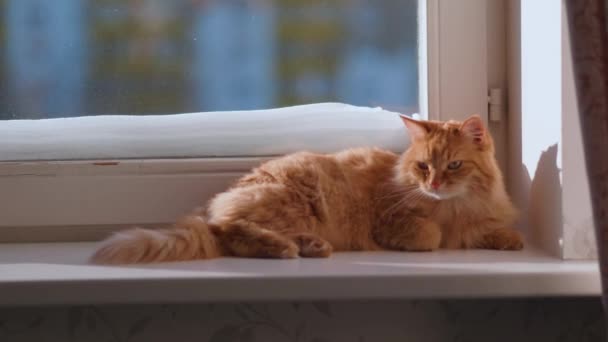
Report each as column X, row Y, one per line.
column 359, row 321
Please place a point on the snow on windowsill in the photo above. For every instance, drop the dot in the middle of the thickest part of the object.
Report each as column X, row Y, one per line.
column 323, row 127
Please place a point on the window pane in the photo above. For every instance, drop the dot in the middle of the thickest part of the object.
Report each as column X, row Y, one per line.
column 65, row 58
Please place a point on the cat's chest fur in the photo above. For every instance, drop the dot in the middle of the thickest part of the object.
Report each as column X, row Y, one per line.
column 461, row 218
column 458, row 211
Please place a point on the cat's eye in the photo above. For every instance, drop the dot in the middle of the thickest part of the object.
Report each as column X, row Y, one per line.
column 423, row 166
column 454, row 164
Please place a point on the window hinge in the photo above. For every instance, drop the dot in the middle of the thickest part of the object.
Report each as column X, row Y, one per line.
column 495, row 107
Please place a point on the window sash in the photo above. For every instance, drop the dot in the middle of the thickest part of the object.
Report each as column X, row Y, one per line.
column 93, row 193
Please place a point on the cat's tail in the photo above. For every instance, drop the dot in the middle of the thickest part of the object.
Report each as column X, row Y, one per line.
column 189, row 239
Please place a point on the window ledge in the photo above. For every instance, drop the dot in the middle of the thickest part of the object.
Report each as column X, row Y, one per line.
column 57, row 273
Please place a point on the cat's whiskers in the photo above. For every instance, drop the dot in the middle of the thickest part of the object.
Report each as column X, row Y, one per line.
column 412, row 198
column 395, row 194
column 404, row 194
column 393, row 208
column 398, row 191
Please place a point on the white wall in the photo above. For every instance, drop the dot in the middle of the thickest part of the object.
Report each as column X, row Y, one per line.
column 541, row 110
column 546, row 167
column 535, row 118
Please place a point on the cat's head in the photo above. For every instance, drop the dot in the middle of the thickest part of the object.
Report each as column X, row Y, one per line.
column 449, row 159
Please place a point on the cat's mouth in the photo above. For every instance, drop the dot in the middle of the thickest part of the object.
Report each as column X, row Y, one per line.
column 441, row 195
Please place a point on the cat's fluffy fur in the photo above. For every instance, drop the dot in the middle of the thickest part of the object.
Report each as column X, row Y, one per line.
column 445, row 191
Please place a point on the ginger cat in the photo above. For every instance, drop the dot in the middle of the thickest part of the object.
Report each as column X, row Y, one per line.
column 445, row 191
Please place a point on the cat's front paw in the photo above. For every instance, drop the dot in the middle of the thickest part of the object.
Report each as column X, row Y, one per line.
column 503, row 239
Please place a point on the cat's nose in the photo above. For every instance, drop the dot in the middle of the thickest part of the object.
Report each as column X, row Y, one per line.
column 435, row 184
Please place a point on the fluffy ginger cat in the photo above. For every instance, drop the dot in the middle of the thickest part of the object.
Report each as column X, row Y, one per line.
column 445, row 191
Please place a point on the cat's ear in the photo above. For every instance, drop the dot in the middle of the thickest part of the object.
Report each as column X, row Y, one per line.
column 474, row 128
column 417, row 129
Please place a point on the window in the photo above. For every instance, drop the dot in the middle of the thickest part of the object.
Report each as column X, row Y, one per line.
column 76, row 179
column 86, row 58
column 70, row 58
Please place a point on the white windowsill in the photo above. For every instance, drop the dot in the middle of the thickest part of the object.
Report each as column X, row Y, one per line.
column 57, row 273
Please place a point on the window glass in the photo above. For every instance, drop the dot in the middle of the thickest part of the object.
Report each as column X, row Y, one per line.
column 64, row 58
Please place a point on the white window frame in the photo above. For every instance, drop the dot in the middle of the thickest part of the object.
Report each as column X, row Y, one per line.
column 59, row 200
column 456, row 59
